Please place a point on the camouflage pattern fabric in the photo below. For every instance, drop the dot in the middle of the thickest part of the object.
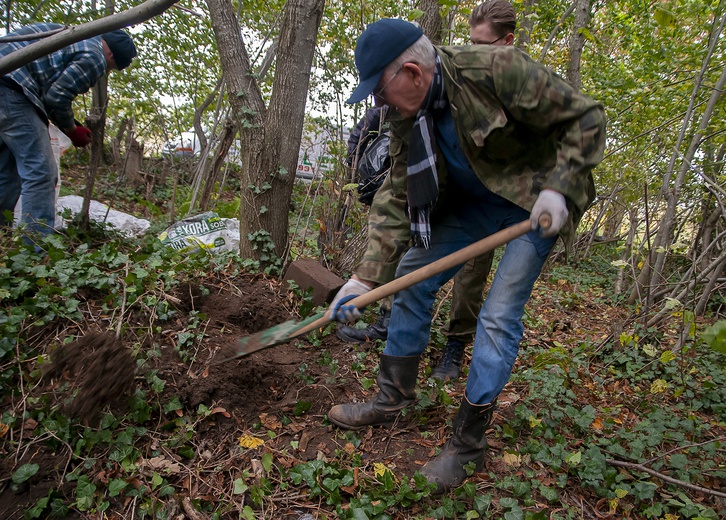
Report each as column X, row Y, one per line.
column 522, row 127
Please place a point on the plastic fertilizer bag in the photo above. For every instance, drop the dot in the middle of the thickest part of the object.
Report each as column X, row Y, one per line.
column 203, row 231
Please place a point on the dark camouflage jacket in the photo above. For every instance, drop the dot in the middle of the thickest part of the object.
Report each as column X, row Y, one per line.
column 522, row 127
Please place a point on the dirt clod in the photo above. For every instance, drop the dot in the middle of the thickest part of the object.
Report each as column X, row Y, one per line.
column 99, row 367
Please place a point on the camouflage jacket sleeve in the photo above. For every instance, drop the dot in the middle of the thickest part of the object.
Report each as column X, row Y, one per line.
column 389, row 232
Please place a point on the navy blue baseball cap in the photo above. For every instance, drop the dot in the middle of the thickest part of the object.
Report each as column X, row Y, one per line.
column 381, row 43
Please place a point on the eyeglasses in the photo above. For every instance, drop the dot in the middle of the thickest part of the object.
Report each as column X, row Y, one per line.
column 489, row 43
column 378, row 92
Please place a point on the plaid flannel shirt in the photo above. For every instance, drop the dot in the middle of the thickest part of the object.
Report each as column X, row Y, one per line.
column 52, row 82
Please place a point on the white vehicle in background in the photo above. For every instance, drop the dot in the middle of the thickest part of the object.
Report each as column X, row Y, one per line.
column 314, row 159
column 186, row 145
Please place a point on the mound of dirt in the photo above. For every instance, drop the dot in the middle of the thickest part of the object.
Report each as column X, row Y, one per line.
column 99, row 367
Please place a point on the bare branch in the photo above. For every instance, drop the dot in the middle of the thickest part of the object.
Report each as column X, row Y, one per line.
column 665, row 478
column 26, row 37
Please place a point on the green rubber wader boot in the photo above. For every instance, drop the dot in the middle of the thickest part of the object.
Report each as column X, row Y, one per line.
column 397, row 377
column 467, row 444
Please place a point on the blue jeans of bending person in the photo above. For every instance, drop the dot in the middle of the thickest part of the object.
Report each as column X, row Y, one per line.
column 27, row 165
column 499, row 328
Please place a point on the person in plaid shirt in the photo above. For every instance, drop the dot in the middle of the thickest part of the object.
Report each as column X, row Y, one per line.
column 35, row 94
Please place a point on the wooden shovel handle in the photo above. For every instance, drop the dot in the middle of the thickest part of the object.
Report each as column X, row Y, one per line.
column 439, row 266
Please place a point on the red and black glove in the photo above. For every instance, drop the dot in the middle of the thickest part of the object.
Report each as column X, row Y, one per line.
column 80, row 136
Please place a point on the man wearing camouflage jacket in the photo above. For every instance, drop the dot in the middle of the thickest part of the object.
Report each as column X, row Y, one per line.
column 493, row 22
column 482, row 138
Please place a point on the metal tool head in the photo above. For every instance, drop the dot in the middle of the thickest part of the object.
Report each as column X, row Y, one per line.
column 276, row 335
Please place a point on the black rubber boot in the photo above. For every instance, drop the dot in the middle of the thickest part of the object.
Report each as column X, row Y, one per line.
column 396, row 382
column 450, row 365
column 467, row 444
column 379, row 330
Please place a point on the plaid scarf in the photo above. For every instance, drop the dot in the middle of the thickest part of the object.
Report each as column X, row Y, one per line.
column 422, row 178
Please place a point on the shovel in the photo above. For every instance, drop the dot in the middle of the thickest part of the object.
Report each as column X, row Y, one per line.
column 292, row 329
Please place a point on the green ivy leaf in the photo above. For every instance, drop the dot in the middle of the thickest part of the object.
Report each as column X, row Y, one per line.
column 187, row 452
column 85, row 491
column 25, row 473
column 508, row 503
column 650, row 349
column 573, row 459
column 116, row 486
column 173, row 405
column 667, row 356
column 267, row 462
column 38, row 509
column 482, row 503
column 239, row 487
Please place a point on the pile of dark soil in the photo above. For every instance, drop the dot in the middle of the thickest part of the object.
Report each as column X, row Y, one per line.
column 99, row 369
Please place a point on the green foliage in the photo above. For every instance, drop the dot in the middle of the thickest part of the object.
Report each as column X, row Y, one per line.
column 552, row 392
column 715, row 336
column 551, row 433
column 303, row 298
column 262, row 242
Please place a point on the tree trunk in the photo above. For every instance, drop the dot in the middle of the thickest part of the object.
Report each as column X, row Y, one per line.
column 94, row 124
column 577, row 42
column 626, row 257
column 225, row 142
column 431, row 22
column 665, row 236
column 270, row 138
column 554, row 32
column 526, row 24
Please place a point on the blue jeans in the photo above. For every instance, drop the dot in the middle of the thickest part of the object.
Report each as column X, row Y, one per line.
column 27, row 164
column 499, row 327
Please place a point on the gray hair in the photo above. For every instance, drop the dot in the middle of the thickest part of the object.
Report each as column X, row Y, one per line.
column 421, row 52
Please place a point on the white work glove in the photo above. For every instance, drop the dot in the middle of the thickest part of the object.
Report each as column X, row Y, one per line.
column 552, row 203
column 351, row 289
